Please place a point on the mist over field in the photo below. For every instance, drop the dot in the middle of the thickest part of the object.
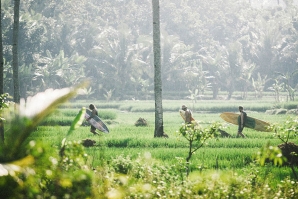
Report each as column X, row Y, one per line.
column 220, row 47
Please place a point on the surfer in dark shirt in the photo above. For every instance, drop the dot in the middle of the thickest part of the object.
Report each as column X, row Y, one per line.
column 94, row 112
column 241, row 121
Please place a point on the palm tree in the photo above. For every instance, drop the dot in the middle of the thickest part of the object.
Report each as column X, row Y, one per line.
column 16, row 91
column 1, row 74
column 113, row 60
column 57, row 72
column 157, row 70
column 1, row 56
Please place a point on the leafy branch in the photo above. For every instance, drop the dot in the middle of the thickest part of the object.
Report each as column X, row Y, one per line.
column 197, row 137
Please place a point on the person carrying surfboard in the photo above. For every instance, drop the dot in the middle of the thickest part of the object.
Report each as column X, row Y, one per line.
column 241, row 122
column 188, row 114
column 94, row 112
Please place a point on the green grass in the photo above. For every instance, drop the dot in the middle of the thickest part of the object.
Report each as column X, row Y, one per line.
column 64, row 117
column 128, row 140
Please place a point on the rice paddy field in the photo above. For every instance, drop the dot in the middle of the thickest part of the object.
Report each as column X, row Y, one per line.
column 129, row 141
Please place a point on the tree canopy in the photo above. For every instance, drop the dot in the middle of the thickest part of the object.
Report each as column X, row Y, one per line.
column 211, row 45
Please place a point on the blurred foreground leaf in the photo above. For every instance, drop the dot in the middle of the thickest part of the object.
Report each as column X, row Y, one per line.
column 27, row 117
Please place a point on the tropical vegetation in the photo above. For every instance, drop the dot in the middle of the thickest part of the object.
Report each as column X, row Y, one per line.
column 216, row 46
column 45, row 161
column 212, row 55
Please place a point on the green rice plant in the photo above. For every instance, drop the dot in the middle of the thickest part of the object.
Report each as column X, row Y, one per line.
column 57, row 121
column 253, row 142
column 50, row 131
column 107, row 105
column 144, row 176
column 138, row 106
column 219, row 158
column 107, row 114
column 64, row 117
column 218, row 106
column 215, row 106
column 126, row 107
column 67, row 112
column 290, row 105
column 152, row 165
column 77, row 104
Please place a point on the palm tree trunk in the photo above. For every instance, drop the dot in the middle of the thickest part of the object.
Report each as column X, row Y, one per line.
column 157, row 70
column 1, row 74
column 15, row 63
column 1, row 56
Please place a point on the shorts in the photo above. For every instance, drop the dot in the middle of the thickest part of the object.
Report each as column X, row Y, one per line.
column 93, row 128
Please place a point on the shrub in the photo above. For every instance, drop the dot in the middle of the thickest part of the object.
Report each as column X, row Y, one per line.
column 88, row 142
column 290, row 151
column 141, row 122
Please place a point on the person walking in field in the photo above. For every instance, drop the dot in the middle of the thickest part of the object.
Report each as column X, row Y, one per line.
column 188, row 114
column 241, row 122
column 94, row 112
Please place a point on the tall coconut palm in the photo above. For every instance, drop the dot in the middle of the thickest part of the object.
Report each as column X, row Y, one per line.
column 1, row 55
column 114, row 55
column 16, row 90
column 158, row 132
column 1, row 74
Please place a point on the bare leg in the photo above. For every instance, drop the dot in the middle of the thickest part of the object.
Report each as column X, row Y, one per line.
column 240, row 129
column 93, row 130
column 240, row 134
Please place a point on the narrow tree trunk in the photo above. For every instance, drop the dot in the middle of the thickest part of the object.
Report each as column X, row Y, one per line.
column 157, row 70
column 1, row 74
column 1, row 56
column 15, row 63
column 215, row 89
column 188, row 158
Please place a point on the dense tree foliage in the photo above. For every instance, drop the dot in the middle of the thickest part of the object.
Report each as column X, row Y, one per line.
column 207, row 45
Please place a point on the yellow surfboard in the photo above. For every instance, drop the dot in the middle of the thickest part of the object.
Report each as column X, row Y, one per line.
column 251, row 122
